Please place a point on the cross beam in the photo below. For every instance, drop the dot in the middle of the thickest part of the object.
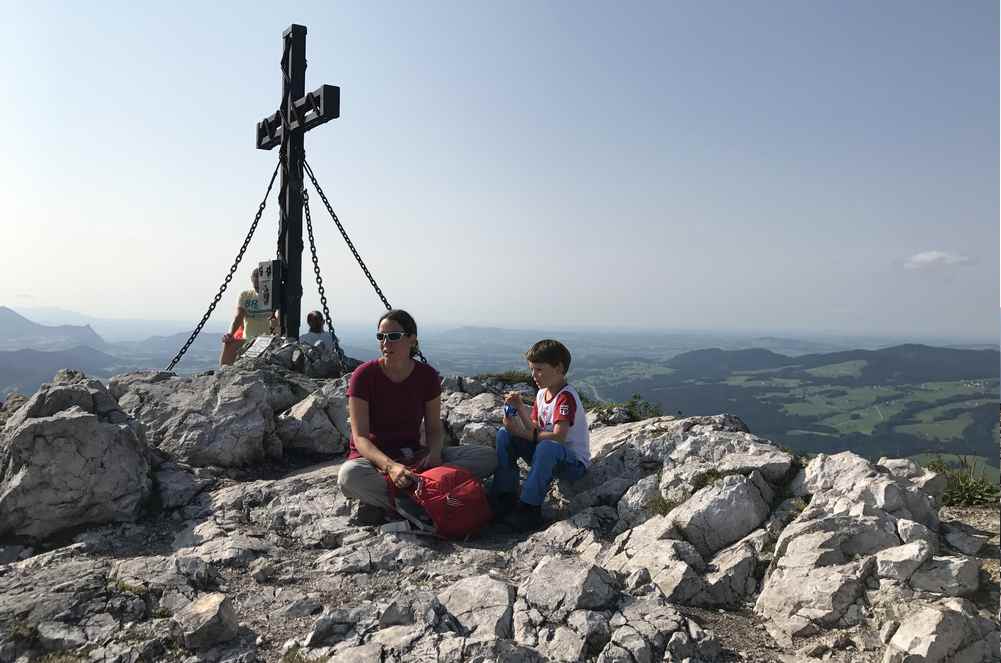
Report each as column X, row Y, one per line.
column 303, row 112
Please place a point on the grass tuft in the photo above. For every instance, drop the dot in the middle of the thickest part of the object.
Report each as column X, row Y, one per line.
column 966, row 485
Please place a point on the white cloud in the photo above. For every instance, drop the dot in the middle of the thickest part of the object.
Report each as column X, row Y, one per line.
column 935, row 259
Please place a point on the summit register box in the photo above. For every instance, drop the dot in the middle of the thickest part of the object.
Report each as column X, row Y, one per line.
column 269, row 275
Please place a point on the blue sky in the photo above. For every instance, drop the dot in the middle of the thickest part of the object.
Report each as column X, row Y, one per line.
column 824, row 167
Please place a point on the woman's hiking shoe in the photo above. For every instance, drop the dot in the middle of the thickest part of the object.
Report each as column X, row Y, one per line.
column 525, row 518
column 368, row 515
column 415, row 513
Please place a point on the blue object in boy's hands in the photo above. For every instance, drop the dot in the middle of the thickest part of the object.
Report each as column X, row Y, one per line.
column 510, row 410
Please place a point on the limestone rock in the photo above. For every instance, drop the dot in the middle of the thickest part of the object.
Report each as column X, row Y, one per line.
column 318, row 424
column 951, row 576
column 176, row 485
column 721, row 514
column 558, row 586
column 224, row 418
column 206, row 621
column 70, row 457
column 638, row 503
column 483, row 605
column 900, row 562
column 949, row 631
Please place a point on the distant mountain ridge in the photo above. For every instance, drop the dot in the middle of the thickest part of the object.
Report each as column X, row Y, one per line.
column 907, row 363
column 18, row 333
column 24, row 370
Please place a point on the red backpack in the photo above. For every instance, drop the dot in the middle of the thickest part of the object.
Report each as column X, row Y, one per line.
column 453, row 498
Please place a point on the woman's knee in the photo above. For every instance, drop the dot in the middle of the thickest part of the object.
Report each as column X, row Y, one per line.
column 351, row 476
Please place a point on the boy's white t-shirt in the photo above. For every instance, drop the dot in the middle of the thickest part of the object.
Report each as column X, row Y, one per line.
column 565, row 406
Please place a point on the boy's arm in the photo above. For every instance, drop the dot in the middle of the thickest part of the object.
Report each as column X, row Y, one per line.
column 561, row 429
column 522, row 424
column 566, row 410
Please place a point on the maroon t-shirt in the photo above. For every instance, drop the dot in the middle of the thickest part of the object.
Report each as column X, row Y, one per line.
column 395, row 410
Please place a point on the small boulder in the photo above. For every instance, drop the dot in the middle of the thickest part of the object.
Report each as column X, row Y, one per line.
column 206, row 621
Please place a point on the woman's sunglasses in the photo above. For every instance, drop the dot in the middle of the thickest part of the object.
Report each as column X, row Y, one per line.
column 390, row 336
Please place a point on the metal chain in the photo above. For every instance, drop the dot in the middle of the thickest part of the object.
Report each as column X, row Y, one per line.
column 229, row 276
column 344, row 234
column 319, row 279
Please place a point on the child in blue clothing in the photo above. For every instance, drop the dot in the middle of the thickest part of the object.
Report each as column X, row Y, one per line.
column 552, row 437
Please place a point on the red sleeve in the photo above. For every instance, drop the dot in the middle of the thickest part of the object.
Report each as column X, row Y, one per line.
column 535, row 413
column 360, row 384
column 566, row 408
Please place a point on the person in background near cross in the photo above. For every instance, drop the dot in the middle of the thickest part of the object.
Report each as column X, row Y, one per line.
column 316, row 336
column 251, row 318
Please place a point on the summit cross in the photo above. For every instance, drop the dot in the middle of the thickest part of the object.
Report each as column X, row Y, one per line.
column 297, row 114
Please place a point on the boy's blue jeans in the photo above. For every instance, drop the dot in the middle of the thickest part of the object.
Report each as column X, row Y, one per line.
column 549, row 460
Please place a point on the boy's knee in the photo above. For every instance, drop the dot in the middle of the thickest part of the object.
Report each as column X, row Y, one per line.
column 503, row 438
column 547, row 450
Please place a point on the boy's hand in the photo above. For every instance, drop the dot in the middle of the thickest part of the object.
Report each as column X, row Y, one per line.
column 513, row 398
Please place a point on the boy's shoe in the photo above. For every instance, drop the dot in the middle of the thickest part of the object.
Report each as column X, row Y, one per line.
column 503, row 504
column 525, row 518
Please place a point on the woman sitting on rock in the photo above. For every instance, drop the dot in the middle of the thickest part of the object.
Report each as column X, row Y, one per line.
column 388, row 400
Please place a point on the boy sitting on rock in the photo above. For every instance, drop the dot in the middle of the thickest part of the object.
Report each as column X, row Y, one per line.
column 552, row 437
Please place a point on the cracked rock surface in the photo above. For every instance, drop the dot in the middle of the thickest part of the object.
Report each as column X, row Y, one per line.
column 227, row 539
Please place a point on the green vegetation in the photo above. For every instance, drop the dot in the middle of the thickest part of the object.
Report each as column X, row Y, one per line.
column 844, row 369
column 661, row 506
column 127, row 588
column 637, row 407
column 700, row 481
column 967, row 486
column 295, row 655
column 979, row 464
column 950, row 429
column 897, row 402
column 23, row 632
column 62, row 657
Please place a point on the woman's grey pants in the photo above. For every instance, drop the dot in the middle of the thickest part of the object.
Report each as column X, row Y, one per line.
column 360, row 480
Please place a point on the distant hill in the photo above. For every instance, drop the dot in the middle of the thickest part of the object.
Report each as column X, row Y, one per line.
column 714, row 362
column 908, row 363
column 18, row 333
column 24, row 370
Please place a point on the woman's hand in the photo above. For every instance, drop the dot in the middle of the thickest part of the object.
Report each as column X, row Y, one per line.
column 400, row 475
column 227, row 338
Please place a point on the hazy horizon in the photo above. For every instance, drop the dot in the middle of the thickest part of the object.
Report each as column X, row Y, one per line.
column 773, row 168
column 354, row 328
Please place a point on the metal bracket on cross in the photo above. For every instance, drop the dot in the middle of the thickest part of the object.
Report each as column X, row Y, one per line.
column 319, row 106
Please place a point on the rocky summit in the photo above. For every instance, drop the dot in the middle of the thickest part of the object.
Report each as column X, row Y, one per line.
column 198, row 518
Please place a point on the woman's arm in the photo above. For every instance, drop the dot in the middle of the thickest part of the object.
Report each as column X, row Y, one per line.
column 358, row 411
column 433, row 432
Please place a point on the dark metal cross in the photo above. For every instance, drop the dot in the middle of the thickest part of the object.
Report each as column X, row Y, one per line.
column 297, row 114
